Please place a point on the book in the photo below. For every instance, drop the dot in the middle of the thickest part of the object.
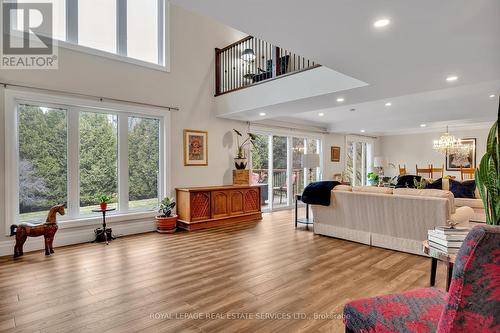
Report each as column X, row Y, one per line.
column 447, row 237
column 450, row 231
column 444, row 242
column 444, row 249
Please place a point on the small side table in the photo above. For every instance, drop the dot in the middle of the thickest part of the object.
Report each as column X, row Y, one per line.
column 448, row 259
column 306, row 221
column 97, row 231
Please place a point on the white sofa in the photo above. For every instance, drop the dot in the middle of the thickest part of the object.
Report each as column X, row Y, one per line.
column 395, row 219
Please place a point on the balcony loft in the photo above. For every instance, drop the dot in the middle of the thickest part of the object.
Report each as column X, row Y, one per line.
column 254, row 77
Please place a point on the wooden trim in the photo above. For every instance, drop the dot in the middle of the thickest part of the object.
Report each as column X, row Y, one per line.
column 267, row 80
column 236, row 43
column 211, row 188
column 185, row 150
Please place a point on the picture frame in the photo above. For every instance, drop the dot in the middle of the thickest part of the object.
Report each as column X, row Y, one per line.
column 454, row 161
column 335, row 154
column 195, row 148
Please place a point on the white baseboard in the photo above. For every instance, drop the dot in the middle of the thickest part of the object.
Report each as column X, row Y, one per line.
column 72, row 236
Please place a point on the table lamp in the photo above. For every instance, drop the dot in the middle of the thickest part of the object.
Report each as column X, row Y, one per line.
column 310, row 161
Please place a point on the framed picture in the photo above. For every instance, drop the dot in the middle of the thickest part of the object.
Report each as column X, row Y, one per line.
column 335, row 154
column 467, row 159
column 195, row 148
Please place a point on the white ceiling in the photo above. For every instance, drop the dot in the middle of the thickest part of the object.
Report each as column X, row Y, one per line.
column 406, row 62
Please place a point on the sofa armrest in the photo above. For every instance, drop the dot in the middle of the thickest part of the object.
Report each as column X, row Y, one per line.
column 462, row 215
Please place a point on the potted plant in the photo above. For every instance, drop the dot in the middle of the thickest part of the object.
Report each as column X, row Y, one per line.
column 372, row 178
column 487, row 177
column 103, row 199
column 240, row 162
column 166, row 222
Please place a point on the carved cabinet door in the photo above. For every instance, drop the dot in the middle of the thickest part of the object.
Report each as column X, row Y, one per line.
column 252, row 200
column 200, row 206
column 237, row 198
column 220, row 204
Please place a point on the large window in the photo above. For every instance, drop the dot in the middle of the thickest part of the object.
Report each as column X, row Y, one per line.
column 359, row 154
column 69, row 154
column 130, row 28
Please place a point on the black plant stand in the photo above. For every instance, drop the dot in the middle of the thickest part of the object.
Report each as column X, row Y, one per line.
column 99, row 233
column 306, row 221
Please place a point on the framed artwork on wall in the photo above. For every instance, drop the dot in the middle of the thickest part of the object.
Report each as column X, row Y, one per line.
column 195, row 148
column 335, row 154
column 465, row 159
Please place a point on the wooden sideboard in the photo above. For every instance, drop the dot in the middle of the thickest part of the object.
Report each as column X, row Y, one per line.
column 206, row 207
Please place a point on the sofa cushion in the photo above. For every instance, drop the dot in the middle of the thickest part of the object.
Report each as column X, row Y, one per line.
column 463, row 189
column 436, row 185
column 372, row 189
column 343, row 188
column 473, row 203
column 428, row 193
column 407, row 181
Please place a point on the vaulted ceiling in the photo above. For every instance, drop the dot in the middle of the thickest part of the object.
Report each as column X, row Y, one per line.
column 405, row 63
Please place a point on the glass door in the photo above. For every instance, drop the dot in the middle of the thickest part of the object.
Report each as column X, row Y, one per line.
column 260, row 168
column 358, row 161
column 280, row 189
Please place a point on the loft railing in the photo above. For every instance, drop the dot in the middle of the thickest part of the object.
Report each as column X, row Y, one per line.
column 251, row 61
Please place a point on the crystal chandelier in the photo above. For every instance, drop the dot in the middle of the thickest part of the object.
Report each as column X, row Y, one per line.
column 448, row 144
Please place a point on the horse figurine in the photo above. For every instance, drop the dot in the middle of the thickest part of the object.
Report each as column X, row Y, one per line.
column 48, row 230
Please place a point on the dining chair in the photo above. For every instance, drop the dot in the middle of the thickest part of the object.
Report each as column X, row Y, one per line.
column 402, row 170
column 467, row 173
column 438, row 171
column 426, row 172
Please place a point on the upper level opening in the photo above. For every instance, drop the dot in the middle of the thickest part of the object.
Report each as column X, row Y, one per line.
column 252, row 61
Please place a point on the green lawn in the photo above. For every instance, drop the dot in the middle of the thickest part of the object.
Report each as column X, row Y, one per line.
column 137, row 205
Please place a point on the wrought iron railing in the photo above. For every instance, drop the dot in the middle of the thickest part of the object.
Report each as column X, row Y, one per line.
column 251, row 61
column 280, row 183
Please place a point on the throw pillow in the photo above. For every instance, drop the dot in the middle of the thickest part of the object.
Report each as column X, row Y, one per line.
column 463, row 189
column 435, row 185
column 407, row 181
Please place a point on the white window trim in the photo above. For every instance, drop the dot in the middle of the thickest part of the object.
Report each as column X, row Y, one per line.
column 71, row 42
column 13, row 97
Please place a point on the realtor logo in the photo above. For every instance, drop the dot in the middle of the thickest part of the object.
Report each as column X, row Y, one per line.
column 27, row 41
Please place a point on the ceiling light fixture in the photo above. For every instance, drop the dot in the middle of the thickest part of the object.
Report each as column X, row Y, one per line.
column 362, row 131
column 448, row 144
column 340, row 99
column 321, row 114
column 381, row 23
column 262, row 114
column 423, row 125
column 492, row 96
column 388, row 104
column 452, row 78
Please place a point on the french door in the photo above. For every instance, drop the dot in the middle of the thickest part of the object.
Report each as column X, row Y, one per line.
column 359, row 156
column 276, row 162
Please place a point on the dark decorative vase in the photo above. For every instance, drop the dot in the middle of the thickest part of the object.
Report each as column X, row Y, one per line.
column 240, row 163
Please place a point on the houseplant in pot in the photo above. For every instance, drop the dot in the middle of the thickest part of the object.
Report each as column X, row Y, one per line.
column 166, row 222
column 372, row 178
column 240, row 161
column 103, row 199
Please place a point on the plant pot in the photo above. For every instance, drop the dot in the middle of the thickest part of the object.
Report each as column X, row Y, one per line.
column 240, row 163
column 166, row 225
column 104, row 205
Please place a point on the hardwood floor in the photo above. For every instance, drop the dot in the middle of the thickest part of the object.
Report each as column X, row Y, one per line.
column 232, row 279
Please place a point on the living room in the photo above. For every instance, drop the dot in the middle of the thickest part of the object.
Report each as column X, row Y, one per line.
column 194, row 168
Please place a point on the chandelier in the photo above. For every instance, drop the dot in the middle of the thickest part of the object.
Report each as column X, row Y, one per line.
column 448, row 144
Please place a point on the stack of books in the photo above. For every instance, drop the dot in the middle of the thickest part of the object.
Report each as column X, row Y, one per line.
column 446, row 239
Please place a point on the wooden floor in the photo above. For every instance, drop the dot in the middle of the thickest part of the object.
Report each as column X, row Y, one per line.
column 235, row 279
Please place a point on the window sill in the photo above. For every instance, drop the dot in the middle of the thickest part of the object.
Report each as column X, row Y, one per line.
column 110, row 219
column 112, row 56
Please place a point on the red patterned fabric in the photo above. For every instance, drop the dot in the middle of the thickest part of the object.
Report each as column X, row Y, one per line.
column 472, row 304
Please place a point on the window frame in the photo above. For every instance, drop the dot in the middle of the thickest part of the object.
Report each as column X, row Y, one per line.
column 72, row 43
column 14, row 97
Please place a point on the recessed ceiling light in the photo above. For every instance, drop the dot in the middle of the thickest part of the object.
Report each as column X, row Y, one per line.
column 492, row 96
column 262, row 114
column 381, row 23
column 321, row 114
column 362, row 131
column 423, row 125
column 388, row 104
column 340, row 99
column 452, row 78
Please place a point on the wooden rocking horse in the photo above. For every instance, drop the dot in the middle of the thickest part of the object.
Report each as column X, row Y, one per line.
column 47, row 230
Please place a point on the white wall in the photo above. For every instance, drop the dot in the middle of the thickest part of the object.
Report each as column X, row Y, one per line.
column 189, row 85
column 413, row 149
column 331, row 168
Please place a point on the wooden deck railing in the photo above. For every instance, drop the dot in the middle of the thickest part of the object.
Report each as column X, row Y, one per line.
column 251, row 61
column 280, row 179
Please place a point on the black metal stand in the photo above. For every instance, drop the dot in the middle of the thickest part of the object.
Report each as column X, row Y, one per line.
column 104, row 232
column 305, row 221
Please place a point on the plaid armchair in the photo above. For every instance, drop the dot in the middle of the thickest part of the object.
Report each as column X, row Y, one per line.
column 471, row 305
